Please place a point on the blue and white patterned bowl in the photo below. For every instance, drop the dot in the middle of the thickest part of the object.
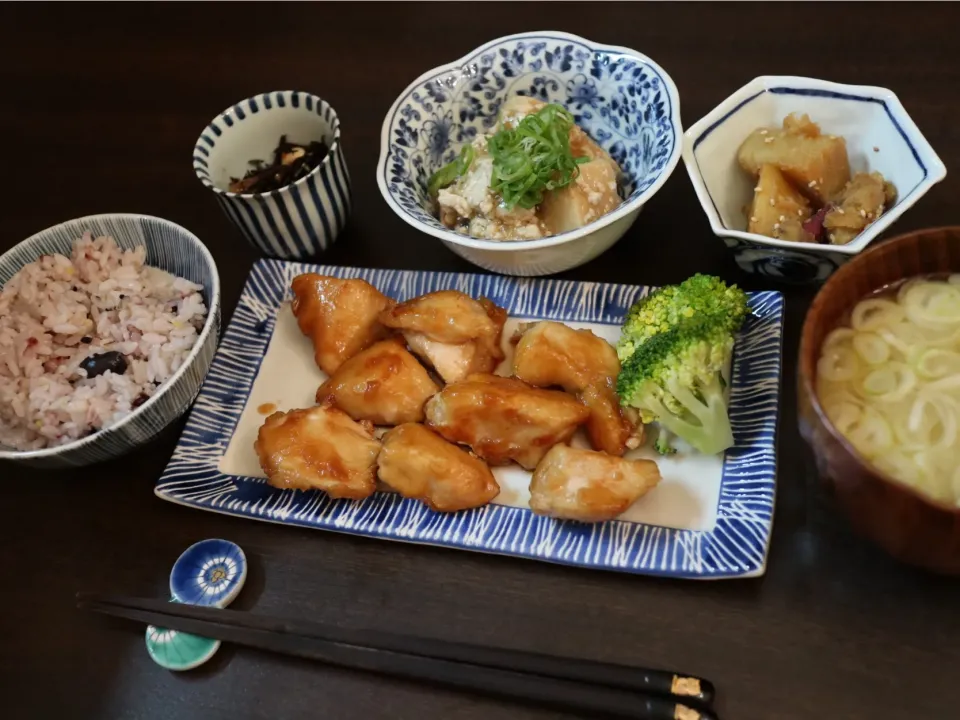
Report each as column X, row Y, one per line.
column 623, row 99
column 298, row 221
column 880, row 136
column 169, row 247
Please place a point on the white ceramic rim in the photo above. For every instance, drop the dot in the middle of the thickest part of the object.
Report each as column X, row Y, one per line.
column 935, row 172
column 212, row 310
column 229, row 112
column 513, row 245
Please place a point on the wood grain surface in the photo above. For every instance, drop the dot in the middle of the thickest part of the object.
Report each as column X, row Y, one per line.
column 99, row 108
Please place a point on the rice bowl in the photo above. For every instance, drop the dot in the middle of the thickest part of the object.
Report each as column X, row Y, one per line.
column 108, row 326
column 85, row 339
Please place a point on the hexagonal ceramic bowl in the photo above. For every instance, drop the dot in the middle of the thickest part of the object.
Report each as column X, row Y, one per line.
column 880, row 136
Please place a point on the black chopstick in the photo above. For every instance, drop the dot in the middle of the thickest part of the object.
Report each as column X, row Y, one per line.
column 363, row 650
column 688, row 688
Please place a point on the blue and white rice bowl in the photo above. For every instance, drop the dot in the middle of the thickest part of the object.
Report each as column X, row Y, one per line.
column 625, row 101
column 880, row 136
column 300, row 220
column 124, row 424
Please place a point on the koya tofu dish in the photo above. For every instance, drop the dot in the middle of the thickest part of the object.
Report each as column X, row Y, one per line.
column 536, row 174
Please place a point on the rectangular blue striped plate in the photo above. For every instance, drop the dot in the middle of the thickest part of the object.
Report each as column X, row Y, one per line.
column 710, row 517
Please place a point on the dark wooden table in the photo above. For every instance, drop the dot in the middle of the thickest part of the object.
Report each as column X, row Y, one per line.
column 99, row 109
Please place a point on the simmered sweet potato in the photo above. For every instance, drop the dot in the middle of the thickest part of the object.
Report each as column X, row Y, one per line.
column 778, row 209
column 861, row 201
column 817, row 164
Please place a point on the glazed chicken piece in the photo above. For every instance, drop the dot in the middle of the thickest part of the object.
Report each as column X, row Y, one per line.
column 553, row 354
column 419, row 464
column 319, row 448
column 587, row 485
column 504, row 419
column 339, row 316
column 454, row 333
column 383, row 384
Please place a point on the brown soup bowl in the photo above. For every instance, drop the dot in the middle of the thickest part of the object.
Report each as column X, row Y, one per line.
column 905, row 523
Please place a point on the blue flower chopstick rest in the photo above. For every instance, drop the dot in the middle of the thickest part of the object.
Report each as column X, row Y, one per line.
column 212, row 573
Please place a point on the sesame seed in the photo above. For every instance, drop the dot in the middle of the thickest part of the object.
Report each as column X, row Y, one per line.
column 800, row 212
column 832, row 137
column 757, row 188
column 776, row 226
column 768, row 140
column 863, row 213
column 812, row 183
column 832, row 238
column 772, row 203
column 820, row 181
column 753, row 218
column 763, row 132
column 841, row 211
column 782, row 218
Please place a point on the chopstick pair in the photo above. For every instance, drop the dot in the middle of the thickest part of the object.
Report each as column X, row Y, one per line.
column 598, row 689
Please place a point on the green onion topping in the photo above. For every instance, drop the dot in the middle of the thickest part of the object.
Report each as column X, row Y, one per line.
column 533, row 157
column 451, row 171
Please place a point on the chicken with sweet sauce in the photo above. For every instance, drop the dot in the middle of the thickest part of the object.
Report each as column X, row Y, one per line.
column 339, row 316
column 553, row 354
column 319, row 448
column 451, row 331
column 589, row 486
column 383, row 384
column 419, row 464
column 504, row 419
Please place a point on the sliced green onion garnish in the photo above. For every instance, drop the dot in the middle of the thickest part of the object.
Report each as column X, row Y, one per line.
column 533, row 157
column 449, row 173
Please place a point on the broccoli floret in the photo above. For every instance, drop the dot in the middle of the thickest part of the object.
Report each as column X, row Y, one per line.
column 662, row 442
column 664, row 308
column 650, row 315
column 676, row 378
column 674, row 347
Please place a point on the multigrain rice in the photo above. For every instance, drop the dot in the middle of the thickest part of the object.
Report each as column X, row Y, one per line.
column 57, row 312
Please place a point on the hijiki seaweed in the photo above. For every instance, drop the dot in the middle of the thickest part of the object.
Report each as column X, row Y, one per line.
column 291, row 162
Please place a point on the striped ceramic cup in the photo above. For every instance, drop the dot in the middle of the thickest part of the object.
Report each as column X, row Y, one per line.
column 298, row 221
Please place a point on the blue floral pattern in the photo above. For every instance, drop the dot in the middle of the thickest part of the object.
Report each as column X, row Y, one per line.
column 786, row 266
column 211, row 572
column 623, row 102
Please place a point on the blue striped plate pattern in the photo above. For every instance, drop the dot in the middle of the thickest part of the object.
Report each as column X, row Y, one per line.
column 735, row 547
column 298, row 221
